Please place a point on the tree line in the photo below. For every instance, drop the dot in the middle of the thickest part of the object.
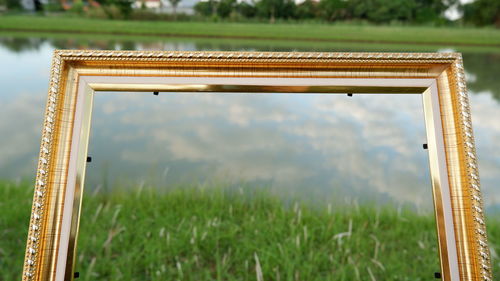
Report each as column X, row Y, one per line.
column 478, row 12
column 375, row 11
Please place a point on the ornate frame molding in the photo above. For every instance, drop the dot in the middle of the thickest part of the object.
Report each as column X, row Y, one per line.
column 448, row 109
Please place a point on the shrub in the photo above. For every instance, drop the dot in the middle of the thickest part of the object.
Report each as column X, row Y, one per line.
column 97, row 13
column 53, row 7
column 13, row 4
column 144, row 14
column 113, row 12
column 78, row 7
column 204, row 8
column 246, row 10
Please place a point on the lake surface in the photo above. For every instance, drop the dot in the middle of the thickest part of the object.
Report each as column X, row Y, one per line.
column 319, row 147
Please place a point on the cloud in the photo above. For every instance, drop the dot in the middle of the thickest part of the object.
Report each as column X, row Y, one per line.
column 20, row 127
column 485, row 112
column 289, row 141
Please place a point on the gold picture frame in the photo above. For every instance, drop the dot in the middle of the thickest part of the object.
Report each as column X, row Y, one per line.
column 76, row 75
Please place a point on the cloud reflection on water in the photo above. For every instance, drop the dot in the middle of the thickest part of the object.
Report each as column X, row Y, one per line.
column 322, row 141
column 365, row 146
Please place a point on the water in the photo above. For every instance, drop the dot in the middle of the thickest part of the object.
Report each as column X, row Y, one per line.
column 313, row 146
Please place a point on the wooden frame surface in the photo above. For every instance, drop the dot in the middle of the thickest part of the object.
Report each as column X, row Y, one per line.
column 76, row 75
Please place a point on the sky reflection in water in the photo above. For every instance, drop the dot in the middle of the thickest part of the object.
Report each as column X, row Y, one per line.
column 318, row 146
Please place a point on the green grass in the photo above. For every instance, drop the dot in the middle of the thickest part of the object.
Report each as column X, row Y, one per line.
column 282, row 31
column 15, row 208
column 215, row 234
column 226, row 234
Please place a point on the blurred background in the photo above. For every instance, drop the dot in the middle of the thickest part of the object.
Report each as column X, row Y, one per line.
column 321, row 150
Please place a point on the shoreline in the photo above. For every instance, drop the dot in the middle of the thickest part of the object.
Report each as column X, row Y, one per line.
column 320, row 33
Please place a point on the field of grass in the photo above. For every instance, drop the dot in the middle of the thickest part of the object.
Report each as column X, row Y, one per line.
column 282, row 31
column 227, row 234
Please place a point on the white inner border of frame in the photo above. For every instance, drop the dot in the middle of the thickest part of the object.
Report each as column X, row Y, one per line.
column 84, row 82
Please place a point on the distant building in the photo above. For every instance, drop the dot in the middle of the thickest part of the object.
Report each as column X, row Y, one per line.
column 159, row 6
column 298, row 2
column 65, row 4
column 148, row 4
column 164, row 6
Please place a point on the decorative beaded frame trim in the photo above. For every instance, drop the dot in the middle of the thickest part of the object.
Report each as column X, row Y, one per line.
column 44, row 160
column 478, row 269
column 474, row 190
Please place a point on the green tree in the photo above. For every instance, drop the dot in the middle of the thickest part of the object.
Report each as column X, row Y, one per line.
column 38, row 5
column 273, row 9
column 225, row 8
column 307, row 10
column 203, row 8
column 206, row 8
column 426, row 11
column 245, row 9
column 13, row 4
column 382, row 11
column 124, row 7
column 385, row 11
column 332, row 10
column 482, row 12
column 174, row 4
